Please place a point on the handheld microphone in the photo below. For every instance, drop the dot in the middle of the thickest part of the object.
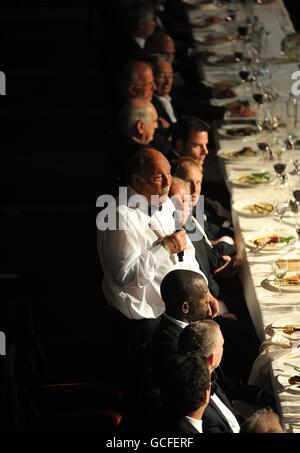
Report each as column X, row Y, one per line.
column 178, row 227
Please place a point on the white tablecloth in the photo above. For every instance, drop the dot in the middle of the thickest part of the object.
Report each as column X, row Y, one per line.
column 264, row 305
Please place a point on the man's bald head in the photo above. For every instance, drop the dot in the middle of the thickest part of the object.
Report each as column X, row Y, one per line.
column 161, row 43
column 136, row 80
column 149, row 174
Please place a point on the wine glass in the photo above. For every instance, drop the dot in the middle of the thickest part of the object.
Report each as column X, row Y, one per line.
column 297, row 225
column 262, row 142
column 238, row 50
column 279, row 153
column 280, row 268
column 281, row 208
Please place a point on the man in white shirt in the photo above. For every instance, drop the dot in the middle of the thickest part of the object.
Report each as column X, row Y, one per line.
column 136, row 255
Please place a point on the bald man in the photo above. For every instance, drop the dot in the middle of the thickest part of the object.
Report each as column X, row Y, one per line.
column 136, row 257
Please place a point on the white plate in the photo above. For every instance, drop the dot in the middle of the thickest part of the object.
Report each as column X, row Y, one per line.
column 239, row 128
column 220, row 61
column 204, row 22
column 213, row 39
column 240, row 209
column 242, row 180
column 284, row 381
column 272, row 282
column 292, row 320
column 249, row 241
column 237, row 157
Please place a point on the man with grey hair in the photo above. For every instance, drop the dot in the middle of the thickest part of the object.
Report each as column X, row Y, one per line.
column 138, row 121
column 205, row 337
column 137, row 125
column 262, row 421
column 136, row 79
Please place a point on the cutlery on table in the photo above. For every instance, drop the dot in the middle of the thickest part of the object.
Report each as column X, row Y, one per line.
column 297, row 368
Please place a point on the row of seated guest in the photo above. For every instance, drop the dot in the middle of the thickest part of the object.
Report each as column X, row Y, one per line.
column 138, row 243
column 185, row 329
column 143, row 248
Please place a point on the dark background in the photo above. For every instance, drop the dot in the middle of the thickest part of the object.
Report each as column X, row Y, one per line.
column 55, row 160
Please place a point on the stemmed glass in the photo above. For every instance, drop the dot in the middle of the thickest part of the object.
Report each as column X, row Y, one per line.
column 280, row 268
column 281, row 208
column 297, row 225
column 262, row 142
column 258, row 95
column 279, row 153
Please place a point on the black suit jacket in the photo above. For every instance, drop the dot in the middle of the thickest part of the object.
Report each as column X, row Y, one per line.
column 164, row 347
column 183, row 426
column 214, row 420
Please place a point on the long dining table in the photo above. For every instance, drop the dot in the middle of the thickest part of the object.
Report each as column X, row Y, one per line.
column 270, row 312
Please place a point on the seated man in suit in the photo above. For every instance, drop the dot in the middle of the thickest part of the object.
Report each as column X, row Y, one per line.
column 205, row 337
column 136, row 80
column 190, row 138
column 214, row 261
column 137, row 23
column 186, row 393
column 215, row 252
column 190, row 96
column 185, row 294
column 262, row 421
column 213, row 257
column 136, row 129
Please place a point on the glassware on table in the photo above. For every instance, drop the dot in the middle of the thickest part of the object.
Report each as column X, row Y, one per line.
column 280, row 268
column 279, row 154
column 281, row 208
column 297, row 226
column 238, row 50
column 262, row 142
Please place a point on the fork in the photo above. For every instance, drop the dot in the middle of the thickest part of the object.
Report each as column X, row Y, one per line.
column 297, row 368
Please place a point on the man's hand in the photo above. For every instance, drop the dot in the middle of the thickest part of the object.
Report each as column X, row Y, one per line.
column 165, row 124
column 175, row 242
column 214, row 305
column 227, row 261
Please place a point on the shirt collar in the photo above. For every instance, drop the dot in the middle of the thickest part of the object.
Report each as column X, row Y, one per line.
column 197, row 424
column 140, row 41
column 181, row 324
column 167, row 97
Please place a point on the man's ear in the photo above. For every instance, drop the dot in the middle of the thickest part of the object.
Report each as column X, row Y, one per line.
column 211, row 360
column 133, row 91
column 136, row 182
column 140, row 127
column 185, row 307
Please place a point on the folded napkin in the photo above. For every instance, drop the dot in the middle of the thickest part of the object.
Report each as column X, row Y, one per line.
column 279, row 345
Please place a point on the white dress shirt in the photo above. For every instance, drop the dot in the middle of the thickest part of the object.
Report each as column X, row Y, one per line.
column 197, row 424
column 134, row 264
column 140, row 41
column 228, row 414
column 166, row 102
column 201, row 229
